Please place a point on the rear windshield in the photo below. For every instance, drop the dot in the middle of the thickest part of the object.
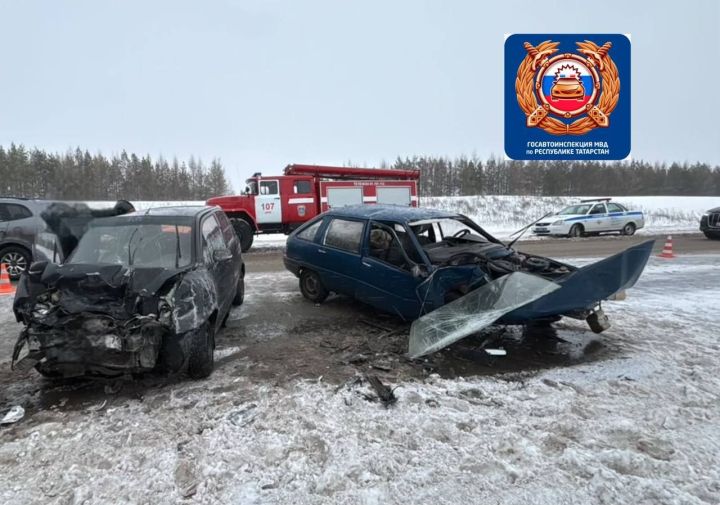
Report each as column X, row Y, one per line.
column 141, row 244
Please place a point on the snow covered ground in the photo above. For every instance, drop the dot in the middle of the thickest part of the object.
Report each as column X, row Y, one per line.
column 639, row 426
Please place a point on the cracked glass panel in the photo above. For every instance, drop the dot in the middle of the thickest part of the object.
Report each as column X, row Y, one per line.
column 475, row 311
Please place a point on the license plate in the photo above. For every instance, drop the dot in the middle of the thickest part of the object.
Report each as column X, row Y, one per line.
column 541, row 229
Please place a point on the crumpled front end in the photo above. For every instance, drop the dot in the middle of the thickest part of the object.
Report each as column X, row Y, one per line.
column 91, row 344
column 106, row 321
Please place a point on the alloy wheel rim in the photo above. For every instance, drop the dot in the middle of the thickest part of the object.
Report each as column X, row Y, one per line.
column 15, row 263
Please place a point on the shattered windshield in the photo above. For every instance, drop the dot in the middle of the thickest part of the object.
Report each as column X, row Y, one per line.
column 475, row 311
column 433, row 231
column 142, row 244
column 574, row 209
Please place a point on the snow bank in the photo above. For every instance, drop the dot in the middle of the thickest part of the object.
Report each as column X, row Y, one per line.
column 502, row 215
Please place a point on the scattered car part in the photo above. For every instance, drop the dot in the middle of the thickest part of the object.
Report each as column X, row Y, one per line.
column 13, row 415
column 476, row 310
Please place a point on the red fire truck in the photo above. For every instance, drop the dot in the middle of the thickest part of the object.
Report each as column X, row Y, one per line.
column 279, row 204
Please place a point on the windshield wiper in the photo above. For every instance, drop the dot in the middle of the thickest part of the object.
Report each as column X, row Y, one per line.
column 521, row 231
column 178, row 254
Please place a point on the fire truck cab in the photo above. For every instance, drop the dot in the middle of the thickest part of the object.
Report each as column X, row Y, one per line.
column 279, row 204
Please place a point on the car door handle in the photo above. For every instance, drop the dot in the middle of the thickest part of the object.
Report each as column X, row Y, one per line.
column 366, row 264
column 322, row 251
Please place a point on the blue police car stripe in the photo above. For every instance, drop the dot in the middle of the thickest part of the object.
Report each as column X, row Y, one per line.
column 600, row 216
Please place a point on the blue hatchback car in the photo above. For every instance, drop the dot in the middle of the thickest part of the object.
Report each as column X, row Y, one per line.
column 410, row 261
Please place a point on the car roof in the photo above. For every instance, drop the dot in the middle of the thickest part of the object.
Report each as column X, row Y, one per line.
column 399, row 213
column 174, row 210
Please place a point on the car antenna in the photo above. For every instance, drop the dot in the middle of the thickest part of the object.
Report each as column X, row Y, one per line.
column 521, row 231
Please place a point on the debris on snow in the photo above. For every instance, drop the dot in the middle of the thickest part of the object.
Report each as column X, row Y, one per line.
column 384, row 393
column 13, row 415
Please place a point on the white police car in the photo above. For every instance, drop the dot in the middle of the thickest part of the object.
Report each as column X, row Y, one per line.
column 591, row 217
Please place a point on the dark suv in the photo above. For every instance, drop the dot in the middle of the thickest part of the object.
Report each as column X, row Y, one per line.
column 710, row 223
column 20, row 223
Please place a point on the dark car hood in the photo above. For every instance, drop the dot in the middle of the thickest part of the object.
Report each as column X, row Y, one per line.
column 716, row 209
column 147, row 280
column 116, row 290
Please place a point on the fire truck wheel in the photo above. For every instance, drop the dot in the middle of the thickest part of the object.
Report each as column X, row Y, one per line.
column 244, row 233
column 312, row 287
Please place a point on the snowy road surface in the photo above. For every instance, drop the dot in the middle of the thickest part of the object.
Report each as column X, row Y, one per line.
column 629, row 417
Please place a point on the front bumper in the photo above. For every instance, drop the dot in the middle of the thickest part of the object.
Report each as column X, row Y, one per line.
column 91, row 345
column 552, row 229
column 710, row 223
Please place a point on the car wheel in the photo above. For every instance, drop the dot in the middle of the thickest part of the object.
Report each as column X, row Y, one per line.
column 712, row 236
column 239, row 292
column 244, row 232
column 16, row 260
column 312, row 287
column 576, row 231
column 628, row 229
column 201, row 360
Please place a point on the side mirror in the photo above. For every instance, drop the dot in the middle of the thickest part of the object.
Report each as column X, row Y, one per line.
column 220, row 255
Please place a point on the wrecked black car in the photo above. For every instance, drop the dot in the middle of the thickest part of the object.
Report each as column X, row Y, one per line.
column 135, row 292
column 448, row 275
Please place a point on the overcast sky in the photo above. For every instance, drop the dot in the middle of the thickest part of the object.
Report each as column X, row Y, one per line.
column 261, row 84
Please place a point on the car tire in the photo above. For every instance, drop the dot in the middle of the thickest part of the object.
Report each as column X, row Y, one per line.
column 576, row 231
column 628, row 229
column 239, row 292
column 201, row 360
column 244, row 232
column 312, row 287
column 17, row 260
column 712, row 236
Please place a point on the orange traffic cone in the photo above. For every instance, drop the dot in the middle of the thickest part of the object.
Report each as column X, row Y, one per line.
column 6, row 287
column 667, row 251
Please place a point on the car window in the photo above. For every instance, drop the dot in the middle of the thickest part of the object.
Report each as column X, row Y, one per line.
column 574, row 209
column 268, row 187
column 389, row 247
column 13, row 212
column 227, row 229
column 344, row 234
column 599, row 208
column 212, row 238
column 310, row 231
column 302, row 187
column 614, row 207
